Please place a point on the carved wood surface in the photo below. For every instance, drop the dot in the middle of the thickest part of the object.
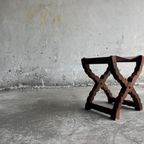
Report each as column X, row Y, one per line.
column 126, row 84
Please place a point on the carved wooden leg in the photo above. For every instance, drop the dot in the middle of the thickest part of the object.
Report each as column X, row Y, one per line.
column 99, row 83
column 127, row 87
column 136, row 99
column 118, row 102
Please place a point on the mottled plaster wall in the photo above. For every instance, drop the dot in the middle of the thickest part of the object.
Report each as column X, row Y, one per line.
column 42, row 41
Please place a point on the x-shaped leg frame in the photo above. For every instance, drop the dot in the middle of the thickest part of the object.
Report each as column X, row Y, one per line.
column 126, row 84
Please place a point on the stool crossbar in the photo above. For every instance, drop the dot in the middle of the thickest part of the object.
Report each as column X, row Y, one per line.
column 126, row 84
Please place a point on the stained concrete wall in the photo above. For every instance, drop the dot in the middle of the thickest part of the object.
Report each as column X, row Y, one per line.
column 42, row 41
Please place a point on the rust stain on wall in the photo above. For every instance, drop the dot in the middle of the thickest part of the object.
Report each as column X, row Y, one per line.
column 56, row 19
column 43, row 18
column 40, row 12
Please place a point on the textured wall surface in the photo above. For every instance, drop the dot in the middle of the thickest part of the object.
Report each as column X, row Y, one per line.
column 42, row 41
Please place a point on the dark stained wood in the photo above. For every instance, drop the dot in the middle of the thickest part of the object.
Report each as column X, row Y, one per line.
column 100, row 108
column 126, row 84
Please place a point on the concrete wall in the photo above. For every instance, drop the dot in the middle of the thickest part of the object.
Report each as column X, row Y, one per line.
column 42, row 41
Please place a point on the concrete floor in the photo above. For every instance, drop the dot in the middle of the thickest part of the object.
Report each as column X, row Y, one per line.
column 57, row 116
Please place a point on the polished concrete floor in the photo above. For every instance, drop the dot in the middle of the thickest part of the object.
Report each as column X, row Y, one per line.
column 57, row 116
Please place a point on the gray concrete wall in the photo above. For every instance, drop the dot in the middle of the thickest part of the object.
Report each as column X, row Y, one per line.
column 42, row 41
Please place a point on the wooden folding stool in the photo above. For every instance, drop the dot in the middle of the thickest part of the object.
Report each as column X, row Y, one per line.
column 126, row 84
